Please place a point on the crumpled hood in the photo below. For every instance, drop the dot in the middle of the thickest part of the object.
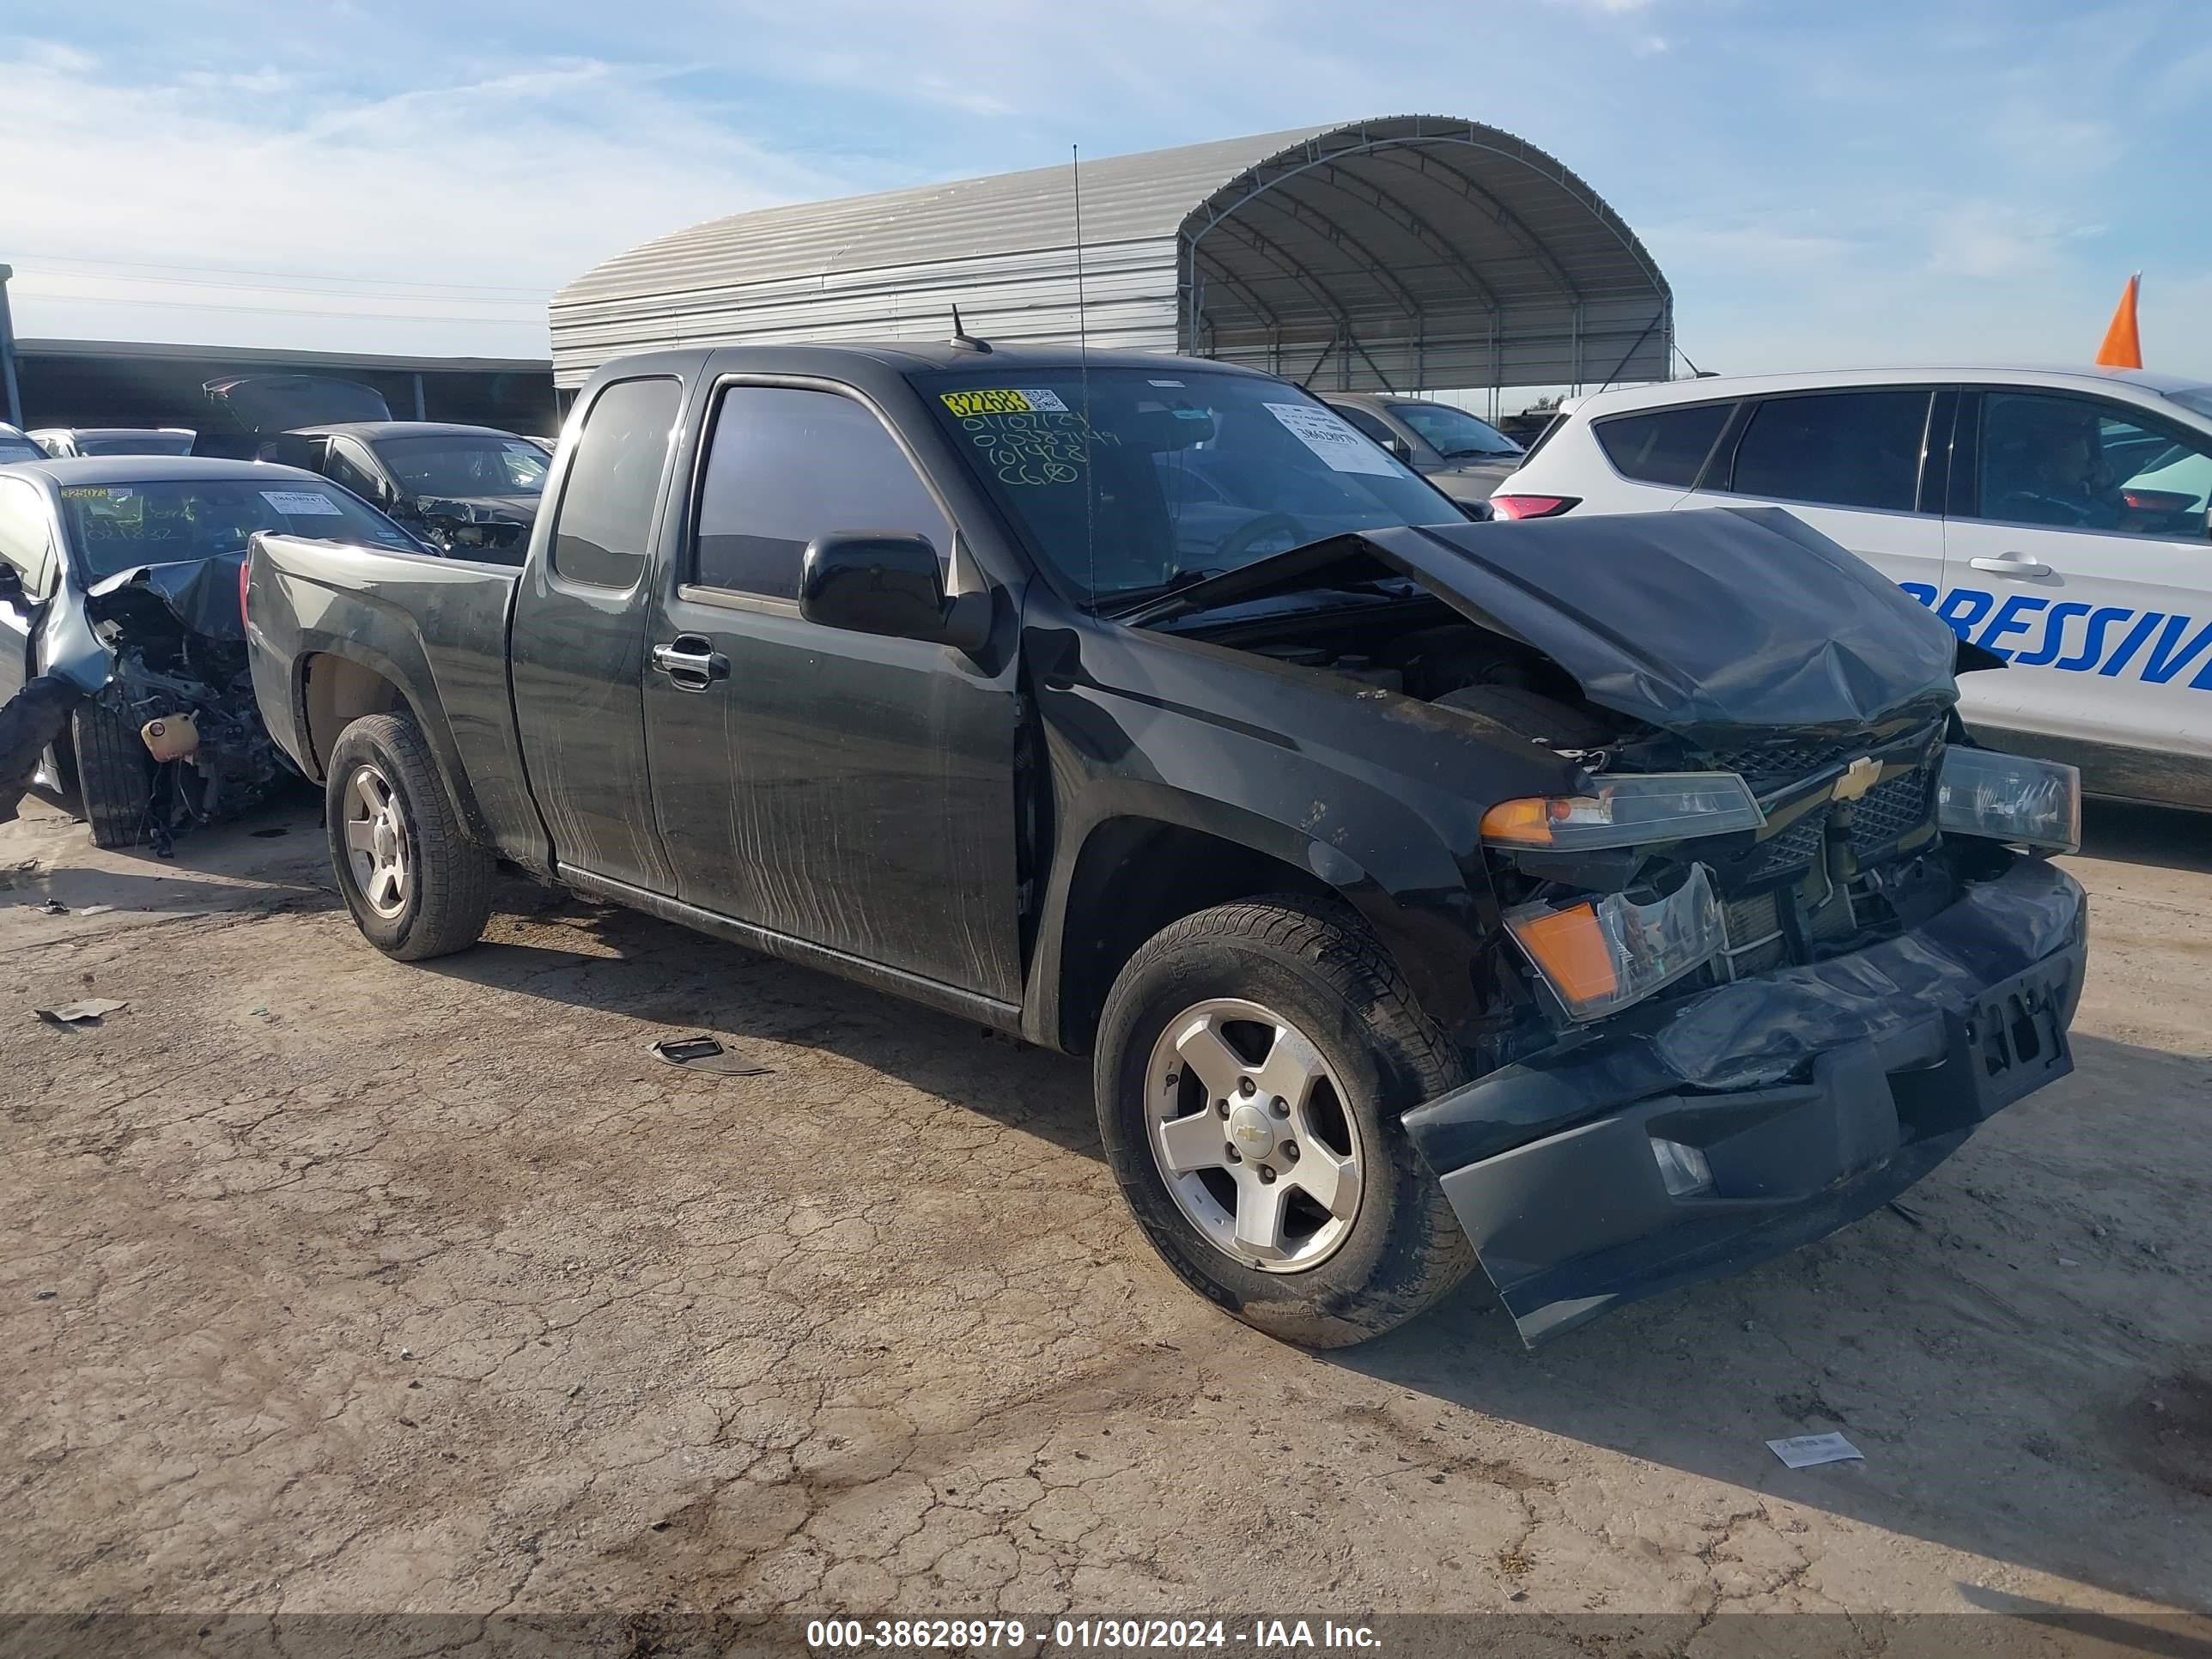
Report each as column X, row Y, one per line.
column 201, row 593
column 1707, row 623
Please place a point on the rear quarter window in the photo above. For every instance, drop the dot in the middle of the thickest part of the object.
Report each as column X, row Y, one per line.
column 1664, row 446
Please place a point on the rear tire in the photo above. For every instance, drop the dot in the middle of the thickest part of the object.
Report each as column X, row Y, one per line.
column 1310, row 969
column 114, row 775
column 417, row 886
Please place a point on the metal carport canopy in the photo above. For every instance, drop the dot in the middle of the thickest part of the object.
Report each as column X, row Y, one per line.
column 1400, row 253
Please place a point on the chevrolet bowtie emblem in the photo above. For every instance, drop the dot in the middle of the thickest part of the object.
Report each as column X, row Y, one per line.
column 1858, row 778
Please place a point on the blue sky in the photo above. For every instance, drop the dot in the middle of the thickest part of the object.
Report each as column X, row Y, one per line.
column 1822, row 184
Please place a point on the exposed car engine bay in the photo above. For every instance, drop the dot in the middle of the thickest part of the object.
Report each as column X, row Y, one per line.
column 1842, row 851
column 186, row 699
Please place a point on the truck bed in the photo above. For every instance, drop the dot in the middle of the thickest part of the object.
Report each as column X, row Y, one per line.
column 436, row 628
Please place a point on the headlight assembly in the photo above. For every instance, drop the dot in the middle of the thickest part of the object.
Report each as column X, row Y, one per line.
column 1598, row 955
column 2009, row 798
column 1628, row 811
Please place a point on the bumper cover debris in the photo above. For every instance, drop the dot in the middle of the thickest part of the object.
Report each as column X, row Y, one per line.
column 1813, row 1095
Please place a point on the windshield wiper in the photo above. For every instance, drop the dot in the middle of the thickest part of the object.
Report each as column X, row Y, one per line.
column 1126, row 598
column 1477, row 454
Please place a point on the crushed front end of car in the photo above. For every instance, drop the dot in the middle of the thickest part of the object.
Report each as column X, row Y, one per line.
column 159, row 650
column 1735, row 1045
column 1784, row 944
column 1790, row 943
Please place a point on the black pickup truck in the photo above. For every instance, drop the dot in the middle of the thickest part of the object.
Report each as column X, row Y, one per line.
column 1614, row 901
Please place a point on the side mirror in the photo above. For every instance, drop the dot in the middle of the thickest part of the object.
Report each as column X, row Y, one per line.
column 888, row 582
column 11, row 585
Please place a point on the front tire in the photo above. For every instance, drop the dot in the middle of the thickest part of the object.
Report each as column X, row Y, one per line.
column 114, row 775
column 1252, row 1067
column 418, row 886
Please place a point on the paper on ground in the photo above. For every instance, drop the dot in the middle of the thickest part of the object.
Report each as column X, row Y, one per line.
column 1804, row 1450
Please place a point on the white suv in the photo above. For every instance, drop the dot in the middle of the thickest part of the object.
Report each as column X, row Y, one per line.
column 2055, row 517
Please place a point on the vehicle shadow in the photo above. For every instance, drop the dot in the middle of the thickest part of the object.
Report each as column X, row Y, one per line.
column 571, row 949
column 2020, row 1348
column 2160, row 837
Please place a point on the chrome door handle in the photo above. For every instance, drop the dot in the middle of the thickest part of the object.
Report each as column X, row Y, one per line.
column 691, row 661
column 2012, row 564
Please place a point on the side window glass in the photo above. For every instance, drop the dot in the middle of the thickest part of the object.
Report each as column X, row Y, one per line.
column 788, row 464
column 1838, row 449
column 344, row 467
column 605, row 516
column 25, row 544
column 2077, row 463
column 1665, row 446
column 1361, row 421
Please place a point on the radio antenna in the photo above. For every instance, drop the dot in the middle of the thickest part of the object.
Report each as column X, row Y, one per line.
column 1082, row 369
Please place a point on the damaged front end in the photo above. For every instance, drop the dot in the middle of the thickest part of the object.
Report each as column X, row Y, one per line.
column 160, row 652
column 1787, row 940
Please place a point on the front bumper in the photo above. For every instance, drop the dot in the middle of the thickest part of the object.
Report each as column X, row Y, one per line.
column 1816, row 1094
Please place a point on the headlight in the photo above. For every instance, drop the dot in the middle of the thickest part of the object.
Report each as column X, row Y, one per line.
column 1626, row 811
column 2009, row 798
column 1598, row 955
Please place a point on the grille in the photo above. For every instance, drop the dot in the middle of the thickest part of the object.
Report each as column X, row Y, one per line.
column 1794, row 847
column 1785, row 762
column 1753, row 928
column 1890, row 811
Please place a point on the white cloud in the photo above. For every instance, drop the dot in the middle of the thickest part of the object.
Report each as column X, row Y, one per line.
column 399, row 211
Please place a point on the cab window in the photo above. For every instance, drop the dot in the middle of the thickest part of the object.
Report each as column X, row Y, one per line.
column 2081, row 463
column 605, row 526
column 788, row 464
column 1836, row 449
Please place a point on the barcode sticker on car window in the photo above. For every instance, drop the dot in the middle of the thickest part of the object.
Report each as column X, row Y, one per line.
column 303, row 504
column 1008, row 401
column 1343, row 449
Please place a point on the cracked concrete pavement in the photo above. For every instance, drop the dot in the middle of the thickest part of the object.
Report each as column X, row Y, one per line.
column 331, row 1284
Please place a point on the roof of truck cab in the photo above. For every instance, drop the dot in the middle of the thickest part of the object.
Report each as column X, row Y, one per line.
column 370, row 431
column 156, row 469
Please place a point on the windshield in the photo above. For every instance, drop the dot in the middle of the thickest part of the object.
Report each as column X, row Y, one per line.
column 451, row 465
column 136, row 443
column 1184, row 474
column 2197, row 398
column 119, row 526
column 1452, row 433
column 20, row 449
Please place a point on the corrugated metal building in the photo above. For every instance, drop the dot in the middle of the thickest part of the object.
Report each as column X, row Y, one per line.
column 1401, row 254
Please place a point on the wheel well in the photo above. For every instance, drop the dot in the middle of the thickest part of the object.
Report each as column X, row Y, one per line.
column 1133, row 877
column 339, row 691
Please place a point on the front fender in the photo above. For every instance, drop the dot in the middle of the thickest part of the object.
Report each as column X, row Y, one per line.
column 1379, row 796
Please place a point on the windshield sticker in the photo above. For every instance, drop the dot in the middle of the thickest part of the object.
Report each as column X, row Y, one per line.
column 1343, row 449
column 964, row 404
column 86, row 492
column 303, row 504
column 1174, row 383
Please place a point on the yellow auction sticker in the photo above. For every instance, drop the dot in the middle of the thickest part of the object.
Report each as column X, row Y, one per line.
column 85, row 492
column 1003, row 401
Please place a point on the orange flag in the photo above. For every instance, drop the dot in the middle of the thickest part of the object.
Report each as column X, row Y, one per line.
column 2122, row 349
